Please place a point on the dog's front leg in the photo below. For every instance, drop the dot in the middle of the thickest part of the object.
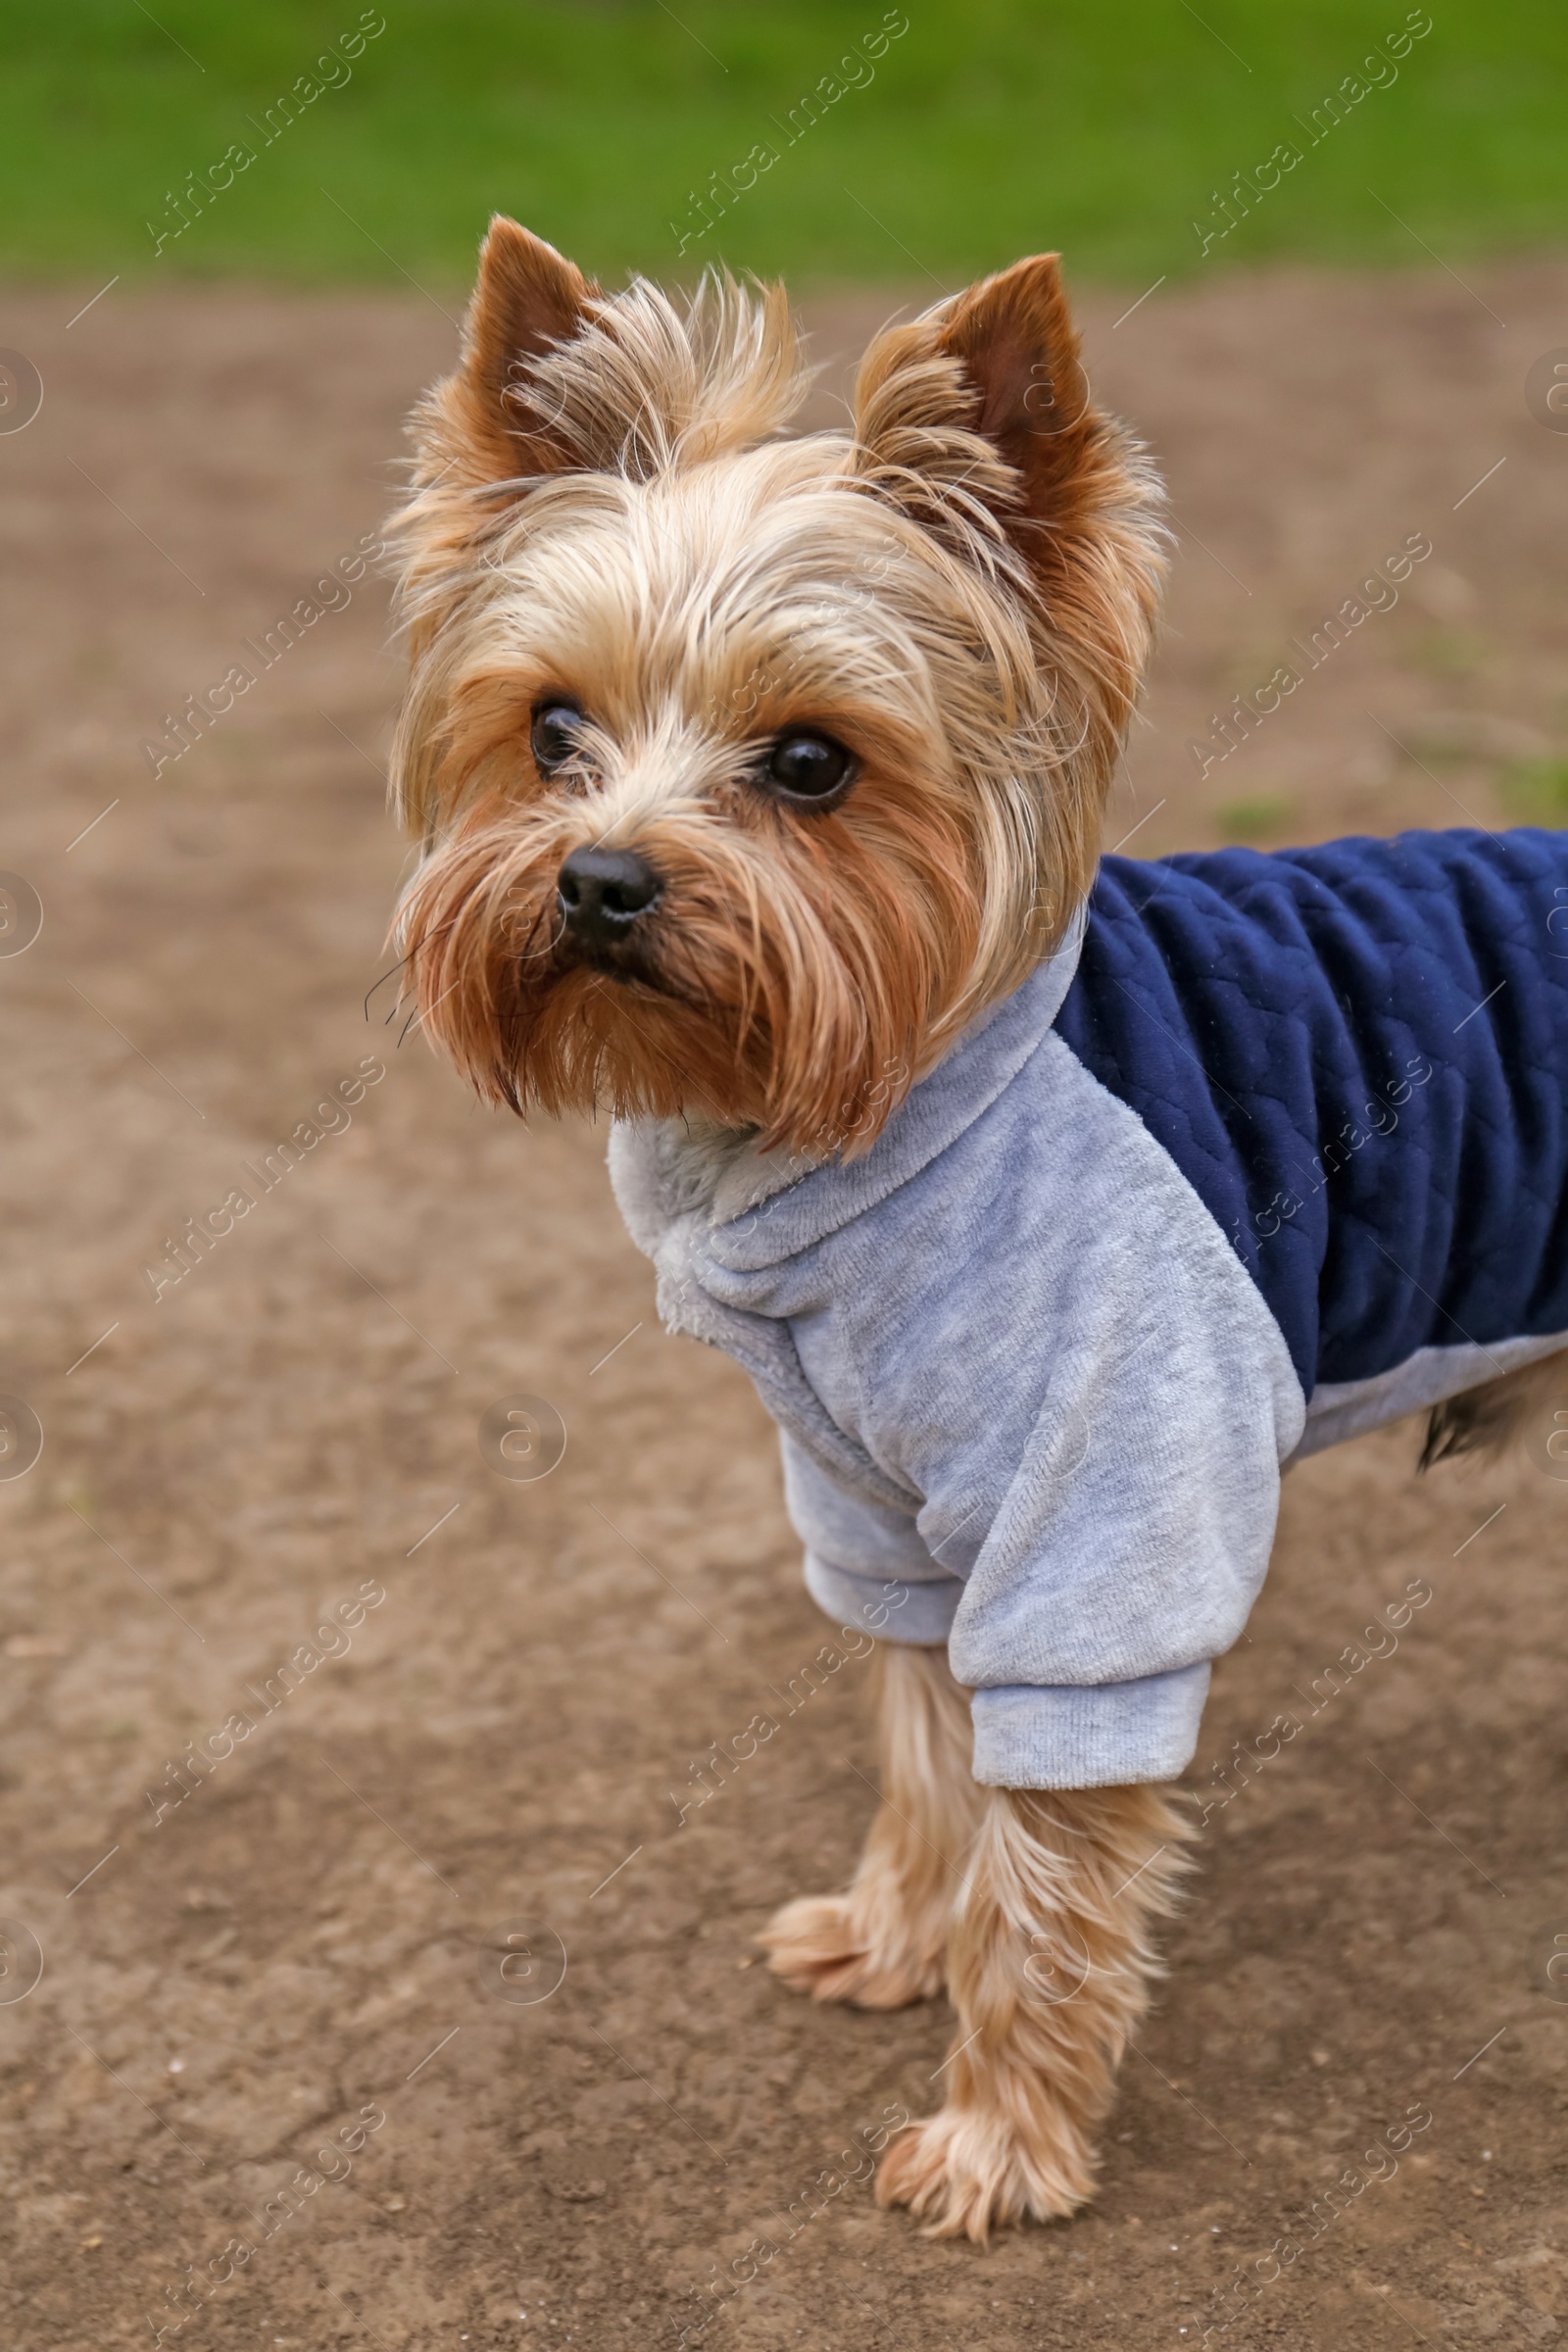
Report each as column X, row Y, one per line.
column 1049, row 1962
column 883, row 1942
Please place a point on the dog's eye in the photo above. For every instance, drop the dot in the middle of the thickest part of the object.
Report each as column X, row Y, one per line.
column 555, row 735
column 810, row 767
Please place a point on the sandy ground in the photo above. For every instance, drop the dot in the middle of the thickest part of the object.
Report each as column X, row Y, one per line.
column 316, row 1936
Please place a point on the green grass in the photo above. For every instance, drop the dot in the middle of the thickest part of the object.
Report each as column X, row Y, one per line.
column 1537, row 791
column 1452, row 653
column 990, row 128
column 1257, row 819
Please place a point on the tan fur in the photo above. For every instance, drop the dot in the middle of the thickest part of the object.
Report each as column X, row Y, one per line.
column 1049, row 1963
column 630, row 532
column 1035, row 1909
column 885, row 1940
column 1488, row 1419
column 961, row 590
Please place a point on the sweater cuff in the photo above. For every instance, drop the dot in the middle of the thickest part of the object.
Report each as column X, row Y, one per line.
column 1094, row 1736
column 895, row 1607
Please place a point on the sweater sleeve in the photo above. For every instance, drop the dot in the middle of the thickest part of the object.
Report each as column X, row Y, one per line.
column 1060, row 1353
column 1134, row 1519
column 866, row 1563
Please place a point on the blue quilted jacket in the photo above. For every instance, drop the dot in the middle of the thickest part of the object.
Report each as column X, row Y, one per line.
column 1273, row 1151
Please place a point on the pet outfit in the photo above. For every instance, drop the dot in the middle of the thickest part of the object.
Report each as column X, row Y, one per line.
column 1273, row 1150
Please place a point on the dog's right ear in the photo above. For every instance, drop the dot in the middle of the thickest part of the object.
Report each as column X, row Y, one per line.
column 485, row 424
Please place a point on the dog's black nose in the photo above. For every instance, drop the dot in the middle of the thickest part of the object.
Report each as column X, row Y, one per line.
column 604, row 893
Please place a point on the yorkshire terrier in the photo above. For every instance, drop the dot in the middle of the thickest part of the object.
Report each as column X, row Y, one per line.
column 1053, row 1202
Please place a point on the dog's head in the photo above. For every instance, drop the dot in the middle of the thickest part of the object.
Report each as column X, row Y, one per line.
column 748, row 769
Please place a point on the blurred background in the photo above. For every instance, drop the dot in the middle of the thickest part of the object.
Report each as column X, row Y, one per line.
column 979, row 132
column 343, row 1773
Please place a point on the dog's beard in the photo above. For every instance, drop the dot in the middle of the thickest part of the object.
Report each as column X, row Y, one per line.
column 785, row 981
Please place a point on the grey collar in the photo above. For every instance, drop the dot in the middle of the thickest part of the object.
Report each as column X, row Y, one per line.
column 765, row 1207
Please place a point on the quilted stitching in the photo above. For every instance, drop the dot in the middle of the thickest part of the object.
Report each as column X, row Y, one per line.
column 1265, row 1015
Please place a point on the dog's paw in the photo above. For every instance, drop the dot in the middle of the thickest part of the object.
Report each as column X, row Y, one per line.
column 965, row 2173
column 825, row 1945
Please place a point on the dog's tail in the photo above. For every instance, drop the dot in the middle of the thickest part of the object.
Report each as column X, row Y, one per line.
column 1488, row 1418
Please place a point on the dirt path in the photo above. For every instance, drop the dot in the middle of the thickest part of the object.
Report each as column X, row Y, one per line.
column 515, row 1676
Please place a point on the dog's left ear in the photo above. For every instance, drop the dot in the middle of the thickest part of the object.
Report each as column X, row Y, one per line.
column 483, row 423
column 984, row 402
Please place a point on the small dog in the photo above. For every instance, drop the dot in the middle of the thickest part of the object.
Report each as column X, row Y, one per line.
column 1052, row 1203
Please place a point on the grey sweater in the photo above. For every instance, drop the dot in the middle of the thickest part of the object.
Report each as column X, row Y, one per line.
column 1272, row 1150
column 1041, row 1421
